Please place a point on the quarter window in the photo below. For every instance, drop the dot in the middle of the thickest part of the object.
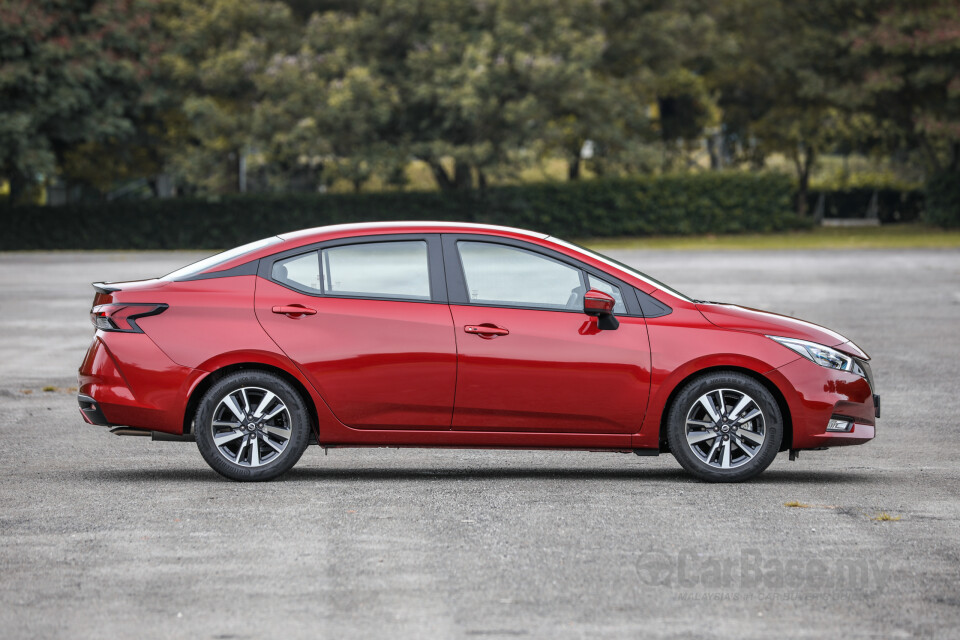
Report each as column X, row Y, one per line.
column 377, row 270
column 602, row 285
column 498, row 274
column 300, row 272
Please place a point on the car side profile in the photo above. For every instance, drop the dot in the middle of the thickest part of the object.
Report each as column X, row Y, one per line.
column 459, row 335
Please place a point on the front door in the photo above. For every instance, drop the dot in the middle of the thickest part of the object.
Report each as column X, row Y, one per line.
column 363, row 323
column 529, row 359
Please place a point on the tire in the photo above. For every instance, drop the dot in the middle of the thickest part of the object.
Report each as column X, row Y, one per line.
column 728, row 444
column 252, row 426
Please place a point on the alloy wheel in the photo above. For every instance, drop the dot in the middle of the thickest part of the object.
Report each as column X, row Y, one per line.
column 251, row 426
column 725, row 428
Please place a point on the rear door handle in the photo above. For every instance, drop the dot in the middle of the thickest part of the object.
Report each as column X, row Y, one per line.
column 486, row 330
column 295, row 310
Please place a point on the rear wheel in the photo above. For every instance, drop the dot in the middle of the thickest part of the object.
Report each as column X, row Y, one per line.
column 252, row 425
column 724, row 427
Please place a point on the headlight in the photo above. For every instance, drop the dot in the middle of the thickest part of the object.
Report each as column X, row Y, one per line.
column 821, row 354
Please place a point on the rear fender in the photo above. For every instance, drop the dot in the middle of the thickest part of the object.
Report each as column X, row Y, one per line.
column 325, row 418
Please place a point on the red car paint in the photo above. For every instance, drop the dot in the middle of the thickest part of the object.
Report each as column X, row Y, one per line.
column 450, row 374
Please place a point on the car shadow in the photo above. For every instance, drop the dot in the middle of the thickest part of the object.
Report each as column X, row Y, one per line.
column 408, row 474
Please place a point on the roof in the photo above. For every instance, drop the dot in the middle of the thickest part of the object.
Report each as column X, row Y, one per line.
column 366, row 228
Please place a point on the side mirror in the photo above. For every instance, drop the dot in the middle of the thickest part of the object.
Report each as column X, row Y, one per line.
column 599, row 304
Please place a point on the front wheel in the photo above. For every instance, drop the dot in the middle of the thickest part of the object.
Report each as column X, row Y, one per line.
column 252, row 425
column 724, row 427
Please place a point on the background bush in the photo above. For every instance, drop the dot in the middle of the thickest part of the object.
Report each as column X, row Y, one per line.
column 893, row 205
column 668, row 205
column 943, row 200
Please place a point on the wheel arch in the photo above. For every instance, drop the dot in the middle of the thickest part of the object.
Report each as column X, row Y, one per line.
column 197, row 393
column 774, row 390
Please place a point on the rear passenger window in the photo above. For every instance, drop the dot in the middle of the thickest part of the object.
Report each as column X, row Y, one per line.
column 377, row 270
column 300, row 272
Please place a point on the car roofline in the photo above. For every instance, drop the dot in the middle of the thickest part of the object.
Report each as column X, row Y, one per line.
column 408, row 227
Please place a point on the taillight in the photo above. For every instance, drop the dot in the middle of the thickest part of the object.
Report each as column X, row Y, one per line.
column 123, row 317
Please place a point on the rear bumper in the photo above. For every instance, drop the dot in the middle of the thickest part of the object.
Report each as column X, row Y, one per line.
column 147, row 391
column 90, row 410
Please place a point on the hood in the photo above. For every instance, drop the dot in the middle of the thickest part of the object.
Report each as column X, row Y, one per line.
column 729, row 316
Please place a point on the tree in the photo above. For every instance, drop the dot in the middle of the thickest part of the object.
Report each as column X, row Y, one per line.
column 220, row 48
column 659, row 52
column 909, row 57
column 785, row 87
column 476, row 83
column 74, row 74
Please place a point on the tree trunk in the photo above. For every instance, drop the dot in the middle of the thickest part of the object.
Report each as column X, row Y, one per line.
column 802, row 191
column 931, row 154
column 440, row 175
column 463, row 177
column 804, row 164
column 573, row 170
column 240, row 171
column 713, row 152
column 481, row 179
column 461, row 180
column 18, row 185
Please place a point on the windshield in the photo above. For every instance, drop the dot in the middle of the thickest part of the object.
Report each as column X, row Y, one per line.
column 219, row 258
column 622, row 267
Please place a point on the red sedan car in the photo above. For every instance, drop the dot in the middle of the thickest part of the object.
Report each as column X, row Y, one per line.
column 459, row 335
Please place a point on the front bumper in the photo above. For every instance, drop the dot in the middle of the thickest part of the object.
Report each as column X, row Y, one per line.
column 859, row 434
column 815, row 395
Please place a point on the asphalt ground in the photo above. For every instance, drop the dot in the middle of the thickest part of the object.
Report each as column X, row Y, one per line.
column 102, row 536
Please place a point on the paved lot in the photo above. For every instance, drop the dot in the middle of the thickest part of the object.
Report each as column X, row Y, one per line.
column 120, row 537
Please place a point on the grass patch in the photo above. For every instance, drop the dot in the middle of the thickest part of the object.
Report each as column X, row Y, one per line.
column 796, row 504
column 886, row 517
column 49, row 389
column 898, row 236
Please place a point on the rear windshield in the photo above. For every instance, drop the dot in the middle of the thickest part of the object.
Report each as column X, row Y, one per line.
column 219, row 258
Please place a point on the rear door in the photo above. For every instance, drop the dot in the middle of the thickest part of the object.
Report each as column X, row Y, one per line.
column 367, row 322
column 529, row 358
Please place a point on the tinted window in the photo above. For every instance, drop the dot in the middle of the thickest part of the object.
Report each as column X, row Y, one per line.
column 602, row 285
column 503, row 275
column 377, row 270
column 300, row 272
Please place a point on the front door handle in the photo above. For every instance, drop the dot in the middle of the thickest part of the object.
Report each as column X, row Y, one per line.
column 295, row 310
column 486, row 330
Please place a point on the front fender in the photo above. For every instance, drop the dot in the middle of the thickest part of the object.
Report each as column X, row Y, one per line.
column 682, row 345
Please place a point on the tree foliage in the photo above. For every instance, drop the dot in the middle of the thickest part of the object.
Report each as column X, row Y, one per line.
column 300, row 94
column 909, row 57
column 219, row 47
column 74, row 75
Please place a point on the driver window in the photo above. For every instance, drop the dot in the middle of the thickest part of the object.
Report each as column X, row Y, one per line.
column 498, row 274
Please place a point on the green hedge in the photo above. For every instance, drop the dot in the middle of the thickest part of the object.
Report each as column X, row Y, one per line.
column 893, row 205
column 943, row 200
column 669, row 205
